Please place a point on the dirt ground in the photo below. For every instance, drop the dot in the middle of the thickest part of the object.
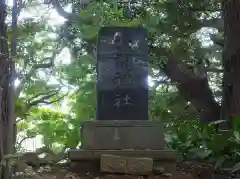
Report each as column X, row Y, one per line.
column 201, row 171
column 185, row 170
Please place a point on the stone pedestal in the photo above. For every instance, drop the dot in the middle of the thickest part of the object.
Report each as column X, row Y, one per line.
column 89, row 160
column 114, row 135
column 121, row 138
column 164, row 155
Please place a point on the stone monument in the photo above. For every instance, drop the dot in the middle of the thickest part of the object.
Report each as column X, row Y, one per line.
column 122, row 126
column 122, row 70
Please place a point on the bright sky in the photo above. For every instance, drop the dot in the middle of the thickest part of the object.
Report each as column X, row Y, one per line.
column 64, row 57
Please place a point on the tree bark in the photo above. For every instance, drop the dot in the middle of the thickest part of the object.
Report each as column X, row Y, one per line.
column 4, row 83
column 11, row 131
column 193, row 88
column 6, row 86
column 231, row 62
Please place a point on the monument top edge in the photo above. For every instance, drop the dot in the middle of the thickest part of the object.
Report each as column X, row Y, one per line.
column 120, row 27
column 107, row 29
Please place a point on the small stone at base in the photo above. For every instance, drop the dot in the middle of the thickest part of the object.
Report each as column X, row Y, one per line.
column 126, row 165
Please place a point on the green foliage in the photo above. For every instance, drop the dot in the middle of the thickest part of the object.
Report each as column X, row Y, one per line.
column 55, row 127
column 170, row 25
column 203, row 143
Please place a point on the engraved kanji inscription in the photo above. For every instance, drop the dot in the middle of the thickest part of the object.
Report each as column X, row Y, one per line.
column 122, row 62
column 122, row 101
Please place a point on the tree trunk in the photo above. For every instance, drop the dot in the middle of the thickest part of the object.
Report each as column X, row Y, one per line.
column 193, row 88
column 196, row 90
column 11, row 91
column 4, row 72
column 231, row 61
column 5, row 79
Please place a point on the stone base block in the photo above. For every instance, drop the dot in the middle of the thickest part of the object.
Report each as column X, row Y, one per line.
column 126, row 165
column 82, row 154
column 114, row 135
column 89, row 160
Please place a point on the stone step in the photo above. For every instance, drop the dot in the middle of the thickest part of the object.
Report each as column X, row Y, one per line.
column 82, row 154
column 89, row 160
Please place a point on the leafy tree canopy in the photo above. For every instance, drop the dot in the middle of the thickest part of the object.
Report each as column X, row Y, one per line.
column 56, row 75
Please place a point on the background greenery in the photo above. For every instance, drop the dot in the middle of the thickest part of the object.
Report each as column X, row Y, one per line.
column 56, row 91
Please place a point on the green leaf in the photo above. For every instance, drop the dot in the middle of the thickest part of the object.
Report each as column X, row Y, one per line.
column 237, row 136
column 90, row 31
column 236, row 168
column 85, row 14
column 203, row 153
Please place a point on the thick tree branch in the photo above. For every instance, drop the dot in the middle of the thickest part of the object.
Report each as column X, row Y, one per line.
column 62, row 12
column 218, row 40
column 214, row 23
column 29, row 75
column 194, row 89
column 48, row 102
column 204, row 9
column 43, row 94
column 21, row 5
column 214, row 70
column 23, row 139
column 67, row 15
column 44, row 98
column 36, row 67
column 56, row 100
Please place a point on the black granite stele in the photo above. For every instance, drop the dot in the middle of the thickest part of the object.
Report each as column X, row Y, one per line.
column 122, row 72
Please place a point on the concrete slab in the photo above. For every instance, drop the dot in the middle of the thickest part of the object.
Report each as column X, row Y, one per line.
column 169, row 155
column 126, row 165
column 85, row 166
column 114, row 135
